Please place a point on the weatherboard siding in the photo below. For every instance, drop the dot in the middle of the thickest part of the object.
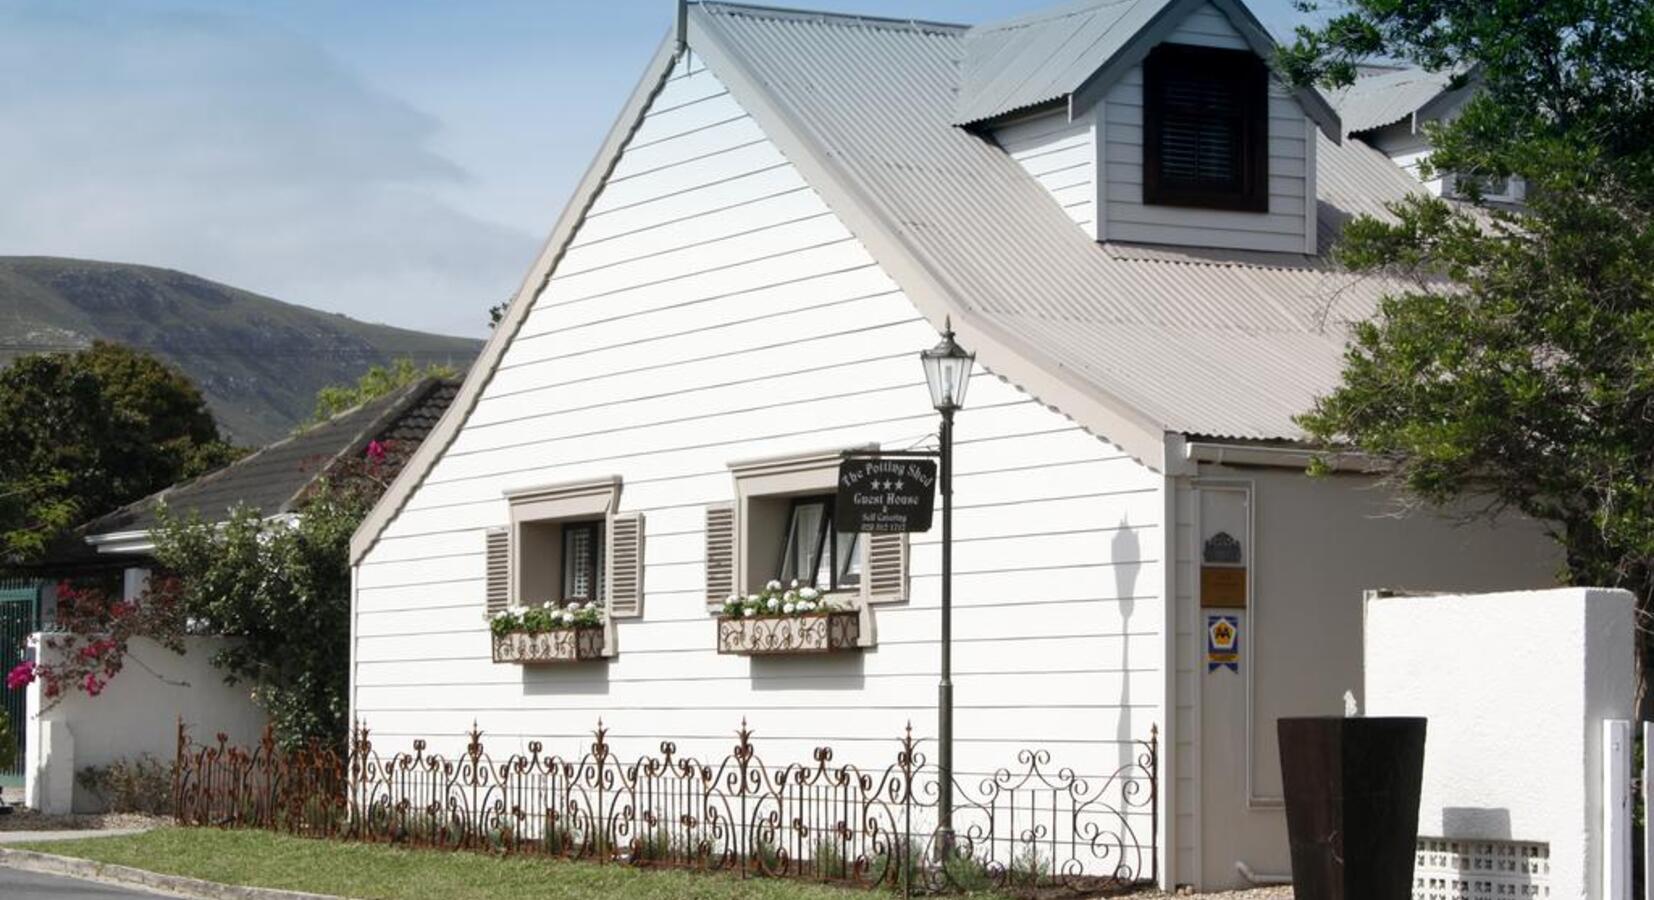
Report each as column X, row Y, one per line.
column 711, row 308
column 1062, row 157
column 1288, row 226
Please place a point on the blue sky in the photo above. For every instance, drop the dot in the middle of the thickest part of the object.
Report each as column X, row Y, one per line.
column 394, row 160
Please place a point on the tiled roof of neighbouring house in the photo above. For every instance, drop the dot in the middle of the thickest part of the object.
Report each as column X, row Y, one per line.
column 275, row 477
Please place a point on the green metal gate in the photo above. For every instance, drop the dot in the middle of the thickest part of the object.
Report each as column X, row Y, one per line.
column 19, row 617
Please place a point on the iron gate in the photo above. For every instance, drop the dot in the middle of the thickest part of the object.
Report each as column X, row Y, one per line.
column 19, row 617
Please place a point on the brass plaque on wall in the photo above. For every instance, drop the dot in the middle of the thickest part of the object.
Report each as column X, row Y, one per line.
column 1223, row 586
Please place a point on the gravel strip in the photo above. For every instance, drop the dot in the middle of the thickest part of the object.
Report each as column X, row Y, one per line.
column 24, row 819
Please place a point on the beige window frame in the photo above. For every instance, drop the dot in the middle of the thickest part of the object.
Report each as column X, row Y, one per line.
column 764, row 491
column 538, row 515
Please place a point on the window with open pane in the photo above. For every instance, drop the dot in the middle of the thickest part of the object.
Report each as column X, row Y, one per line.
column 813, row 553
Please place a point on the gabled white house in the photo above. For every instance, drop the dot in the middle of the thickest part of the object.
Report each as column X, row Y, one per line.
column 1124, row 215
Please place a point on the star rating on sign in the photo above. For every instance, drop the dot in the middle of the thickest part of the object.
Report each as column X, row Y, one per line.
column 889, row 484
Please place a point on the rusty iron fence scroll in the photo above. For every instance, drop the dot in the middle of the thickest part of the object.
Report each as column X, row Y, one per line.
column 1026, row 828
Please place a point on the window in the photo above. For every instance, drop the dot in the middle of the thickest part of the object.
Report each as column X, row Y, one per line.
column 582, row 562
column 780, row 526
column 567, row 543
column 814, row 553
column 1205, row 128
column 1491, row 188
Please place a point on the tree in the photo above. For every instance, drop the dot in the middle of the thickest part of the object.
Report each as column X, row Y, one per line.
column 376, row 382
column 88, row 431
column 281, row 589
column 1515, row 368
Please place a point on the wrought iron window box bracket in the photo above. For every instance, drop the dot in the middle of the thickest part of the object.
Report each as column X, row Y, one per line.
column 559, row 645
column 810, row 633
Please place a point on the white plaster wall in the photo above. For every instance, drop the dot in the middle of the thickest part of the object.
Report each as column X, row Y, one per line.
column 136, row 713
column 1515, row 686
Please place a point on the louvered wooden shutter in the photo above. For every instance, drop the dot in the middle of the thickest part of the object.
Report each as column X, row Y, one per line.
column 1205, row 128
column 626, row 566
column 498, row 550
column 886, row 568
column 720, row 552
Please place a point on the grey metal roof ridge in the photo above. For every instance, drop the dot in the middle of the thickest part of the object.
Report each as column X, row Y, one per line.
column 719, row 7
column 1046, row 15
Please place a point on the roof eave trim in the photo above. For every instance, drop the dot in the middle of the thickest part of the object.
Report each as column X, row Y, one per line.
column 1285, row 457
column 1160, row 27
column 482, row 370
column 999, row 350
column 122, row 541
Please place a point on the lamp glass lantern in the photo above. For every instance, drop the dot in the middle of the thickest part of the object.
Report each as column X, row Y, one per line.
column 948, row 372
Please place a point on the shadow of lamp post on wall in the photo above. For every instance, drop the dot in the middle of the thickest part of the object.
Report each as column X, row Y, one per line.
column 948, row 373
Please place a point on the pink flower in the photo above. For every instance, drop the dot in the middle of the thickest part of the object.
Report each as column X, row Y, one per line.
column 20, row 676
column 93, row 686
column 376, row 451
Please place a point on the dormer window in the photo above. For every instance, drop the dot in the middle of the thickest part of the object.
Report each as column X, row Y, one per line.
column 1205, row 128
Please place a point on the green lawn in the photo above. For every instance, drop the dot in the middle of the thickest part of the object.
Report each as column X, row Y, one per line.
column 266, row 859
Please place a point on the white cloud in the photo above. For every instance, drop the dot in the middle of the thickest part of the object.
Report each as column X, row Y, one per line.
column 231, row 149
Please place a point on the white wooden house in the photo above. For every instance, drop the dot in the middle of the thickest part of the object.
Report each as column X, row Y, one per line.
column 1124, row 215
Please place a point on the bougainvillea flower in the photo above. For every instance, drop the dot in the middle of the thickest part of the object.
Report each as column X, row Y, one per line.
column 20, row 676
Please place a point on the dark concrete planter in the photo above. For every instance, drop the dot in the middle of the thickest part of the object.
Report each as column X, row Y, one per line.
column 1352, row 805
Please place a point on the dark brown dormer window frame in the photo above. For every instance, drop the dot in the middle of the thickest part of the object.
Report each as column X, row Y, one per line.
column 1205, row 128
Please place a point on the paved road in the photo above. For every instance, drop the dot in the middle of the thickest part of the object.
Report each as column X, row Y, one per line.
column 19, row 885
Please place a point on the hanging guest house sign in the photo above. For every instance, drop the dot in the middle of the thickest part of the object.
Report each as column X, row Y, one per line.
column 885, row 494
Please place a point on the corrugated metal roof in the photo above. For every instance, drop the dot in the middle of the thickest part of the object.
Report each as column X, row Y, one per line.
column 1041, row 58
column 1211, row 344
column 1379, row 100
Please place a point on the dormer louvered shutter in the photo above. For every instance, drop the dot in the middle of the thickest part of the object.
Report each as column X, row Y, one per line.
column 1205, row 128
column 886, row 568
column 497, row 550
column 625, row 566
column 720, row 552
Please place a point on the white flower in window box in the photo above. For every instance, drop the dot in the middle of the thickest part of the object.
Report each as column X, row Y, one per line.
column 766, row 624
column 547, row 633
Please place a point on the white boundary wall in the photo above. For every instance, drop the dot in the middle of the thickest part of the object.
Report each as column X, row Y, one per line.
column 136, row 714
column 1516, row 687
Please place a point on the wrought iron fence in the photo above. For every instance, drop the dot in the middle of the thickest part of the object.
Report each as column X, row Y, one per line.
column 1031, row 827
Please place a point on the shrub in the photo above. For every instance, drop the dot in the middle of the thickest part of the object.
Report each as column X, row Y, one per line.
column 140, row 784
column 8, row 741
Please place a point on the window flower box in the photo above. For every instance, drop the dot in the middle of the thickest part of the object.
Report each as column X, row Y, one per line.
column 781, row 621
column 820, row 632
column 559, row 645
column 547, row 633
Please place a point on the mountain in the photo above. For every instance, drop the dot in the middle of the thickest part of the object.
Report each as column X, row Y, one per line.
column 259, row 361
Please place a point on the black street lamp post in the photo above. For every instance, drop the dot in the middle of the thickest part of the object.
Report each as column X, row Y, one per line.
column 948, row 373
